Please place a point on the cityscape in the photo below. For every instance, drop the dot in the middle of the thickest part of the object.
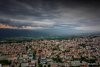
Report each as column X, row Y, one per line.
column 76, row 52
column 49, row 33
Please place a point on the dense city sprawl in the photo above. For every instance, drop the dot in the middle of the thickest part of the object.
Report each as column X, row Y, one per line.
column 76, row 52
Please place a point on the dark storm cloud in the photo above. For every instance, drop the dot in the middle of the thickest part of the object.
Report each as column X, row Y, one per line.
column 76, row 14
column 13, row 23
column 27, row 7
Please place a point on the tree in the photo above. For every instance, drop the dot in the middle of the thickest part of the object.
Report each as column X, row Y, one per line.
column 5, row 62
column 34, row 54
column 57, row 59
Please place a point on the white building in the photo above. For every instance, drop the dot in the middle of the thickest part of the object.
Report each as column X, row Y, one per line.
column 0, row 65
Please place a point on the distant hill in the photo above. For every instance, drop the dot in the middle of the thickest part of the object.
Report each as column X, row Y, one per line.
column 38, row 34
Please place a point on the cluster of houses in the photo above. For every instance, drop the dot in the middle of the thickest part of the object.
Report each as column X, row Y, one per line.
column 77, row 52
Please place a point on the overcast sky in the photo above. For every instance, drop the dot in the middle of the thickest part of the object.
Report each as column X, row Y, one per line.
column 75, row 15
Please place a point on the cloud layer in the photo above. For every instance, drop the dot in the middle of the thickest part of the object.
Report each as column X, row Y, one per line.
column 46, row 14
